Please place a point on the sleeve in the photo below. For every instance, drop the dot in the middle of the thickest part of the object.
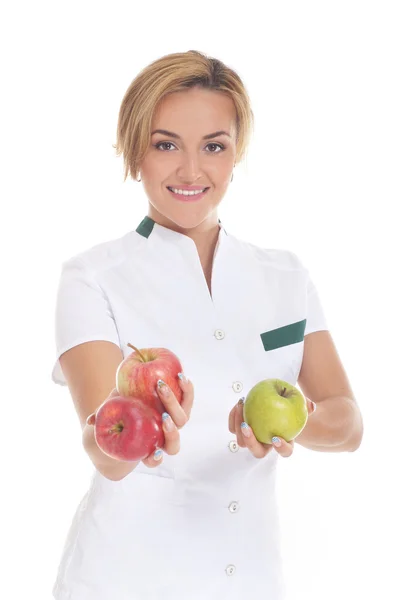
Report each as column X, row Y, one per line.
column 315, row 315
column 82, row 313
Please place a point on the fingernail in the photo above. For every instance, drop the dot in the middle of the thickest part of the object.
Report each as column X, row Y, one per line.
column 162, row 387
column 241, row 400
column 276, row 441
column 183, row 377
column 168, row 422
column 158, row 454
column 314, row 406
column 245, row 429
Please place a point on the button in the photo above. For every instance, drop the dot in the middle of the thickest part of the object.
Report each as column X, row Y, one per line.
column 230, row 569
column 233, row 507
column 237, row 386
column 233, row 446
column 219, row 334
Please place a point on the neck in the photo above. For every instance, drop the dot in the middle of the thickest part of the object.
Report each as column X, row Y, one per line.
column 205, row 235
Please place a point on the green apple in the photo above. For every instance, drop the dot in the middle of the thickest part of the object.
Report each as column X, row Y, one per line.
column 275, row 407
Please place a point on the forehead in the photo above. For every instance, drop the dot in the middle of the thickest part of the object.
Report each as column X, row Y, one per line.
column 195, row 110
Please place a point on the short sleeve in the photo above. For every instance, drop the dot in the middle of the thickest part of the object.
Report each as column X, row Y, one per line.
column 82, row 313
column 315, row 314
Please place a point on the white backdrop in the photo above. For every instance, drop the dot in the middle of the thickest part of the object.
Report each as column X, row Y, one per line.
column 318, row 181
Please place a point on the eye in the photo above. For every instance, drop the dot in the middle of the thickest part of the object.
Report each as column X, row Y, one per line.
column 215, row 144
column 162, row 144
column 158, row 146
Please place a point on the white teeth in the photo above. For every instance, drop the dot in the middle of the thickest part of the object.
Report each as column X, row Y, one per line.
column 185, row 192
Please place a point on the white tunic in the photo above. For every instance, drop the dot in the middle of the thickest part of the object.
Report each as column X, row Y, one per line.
column 204, row 524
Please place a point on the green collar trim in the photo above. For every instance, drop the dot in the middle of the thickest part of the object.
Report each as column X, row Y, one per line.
column 147, row 224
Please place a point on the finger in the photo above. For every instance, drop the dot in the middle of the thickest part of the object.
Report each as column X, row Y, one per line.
column 231, row 419
column 238, row 419
column 154, row 459
column 282, row 447
column 258, row 449
column 91, row 419
column 187, row 388
column 311, row 406
column 171, row 434
column 171, row 404
column 171, row 443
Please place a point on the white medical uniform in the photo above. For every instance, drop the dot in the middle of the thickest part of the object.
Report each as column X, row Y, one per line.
column 204, row 524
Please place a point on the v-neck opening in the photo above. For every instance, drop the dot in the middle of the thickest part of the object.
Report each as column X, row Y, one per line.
column 157, row 233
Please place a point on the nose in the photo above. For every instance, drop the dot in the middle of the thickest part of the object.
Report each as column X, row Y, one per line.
column 189, row 167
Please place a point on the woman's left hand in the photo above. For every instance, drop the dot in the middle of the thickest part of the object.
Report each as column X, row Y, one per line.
column 246, row 438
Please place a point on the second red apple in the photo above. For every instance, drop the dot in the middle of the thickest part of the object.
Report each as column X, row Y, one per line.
column 127, row 429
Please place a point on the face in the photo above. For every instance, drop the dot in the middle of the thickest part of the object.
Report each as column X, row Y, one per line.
column 190, row 160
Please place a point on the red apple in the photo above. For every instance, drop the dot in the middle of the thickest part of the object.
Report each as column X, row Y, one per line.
column 138, row 374
column 127, row 429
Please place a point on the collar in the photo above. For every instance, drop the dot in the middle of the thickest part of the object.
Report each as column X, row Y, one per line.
column 148, row 228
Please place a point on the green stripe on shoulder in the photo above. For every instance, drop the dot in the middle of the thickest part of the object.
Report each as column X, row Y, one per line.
column 284, row 336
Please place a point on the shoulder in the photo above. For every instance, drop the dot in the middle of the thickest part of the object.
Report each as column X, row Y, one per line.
column 103, row 256
column 282, row 259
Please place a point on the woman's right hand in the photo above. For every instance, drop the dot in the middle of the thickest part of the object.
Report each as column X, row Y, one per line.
column 178, row 416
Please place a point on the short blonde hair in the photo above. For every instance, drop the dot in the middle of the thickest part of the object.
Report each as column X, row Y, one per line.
column 174, row 73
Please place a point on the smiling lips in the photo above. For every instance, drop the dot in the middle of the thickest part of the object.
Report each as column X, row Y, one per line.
column 188, row 194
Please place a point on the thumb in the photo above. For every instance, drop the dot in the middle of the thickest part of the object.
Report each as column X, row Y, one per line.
column 311, row 406
column 91, row 420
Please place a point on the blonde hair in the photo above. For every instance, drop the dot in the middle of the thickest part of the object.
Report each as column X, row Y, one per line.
column 174, row 73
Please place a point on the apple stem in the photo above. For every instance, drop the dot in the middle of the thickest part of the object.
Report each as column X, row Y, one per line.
column 284, row 392
column 136, row 349
column 118, row 427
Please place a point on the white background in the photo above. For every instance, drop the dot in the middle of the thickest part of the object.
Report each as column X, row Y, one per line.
column 318, row 180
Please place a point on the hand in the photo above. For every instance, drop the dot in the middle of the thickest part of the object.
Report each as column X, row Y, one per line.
column 246, row 438
column 178, row 417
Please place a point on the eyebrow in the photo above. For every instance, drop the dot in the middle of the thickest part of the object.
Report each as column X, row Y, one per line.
column 178, row 137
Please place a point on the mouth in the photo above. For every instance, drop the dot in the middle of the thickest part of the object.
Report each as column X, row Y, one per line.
column 188, row 197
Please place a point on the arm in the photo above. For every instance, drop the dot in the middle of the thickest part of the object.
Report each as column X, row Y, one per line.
column 336, row 425
column 90, row 370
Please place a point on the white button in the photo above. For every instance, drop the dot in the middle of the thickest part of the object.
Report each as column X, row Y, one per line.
column 233, row 446
column 237, row 386
column 219, row 334
column 233, row 507
column 230, row 569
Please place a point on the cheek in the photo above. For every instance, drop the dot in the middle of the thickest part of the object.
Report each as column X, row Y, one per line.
column 222, row 172
column 156, row 166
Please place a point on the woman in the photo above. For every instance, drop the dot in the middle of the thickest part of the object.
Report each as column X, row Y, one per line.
column 198, row 520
